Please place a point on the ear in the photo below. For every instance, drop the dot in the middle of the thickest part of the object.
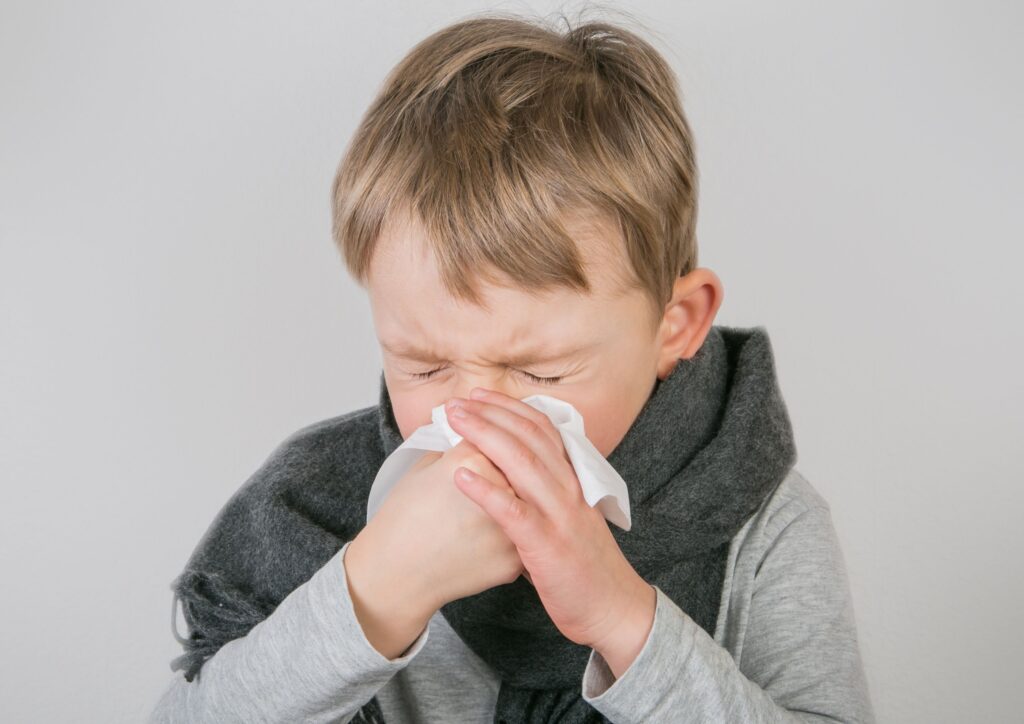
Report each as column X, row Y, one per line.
column 688, row 317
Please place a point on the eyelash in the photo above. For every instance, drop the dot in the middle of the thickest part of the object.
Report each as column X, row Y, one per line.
column 532, row 378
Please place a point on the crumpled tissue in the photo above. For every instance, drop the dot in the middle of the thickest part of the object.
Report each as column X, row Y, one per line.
column 602, row 485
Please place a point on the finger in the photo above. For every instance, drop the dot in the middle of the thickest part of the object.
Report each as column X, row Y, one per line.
column 518, row 406
column 468, row 454
column 523, row 453
column 521, row 521
column 500, row 399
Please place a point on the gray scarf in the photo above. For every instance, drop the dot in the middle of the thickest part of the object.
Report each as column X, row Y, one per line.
column 710, row 444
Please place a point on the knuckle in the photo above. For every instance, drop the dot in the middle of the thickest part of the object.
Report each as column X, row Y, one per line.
column 527, row 426
column 524, row 456
column 516, row 509
column 478, row 463
column 461, row 449
column 465, row 453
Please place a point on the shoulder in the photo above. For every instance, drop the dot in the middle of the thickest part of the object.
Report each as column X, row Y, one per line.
column 794, row 521
column 786, row 561
column 790, row 622
column 794, row 497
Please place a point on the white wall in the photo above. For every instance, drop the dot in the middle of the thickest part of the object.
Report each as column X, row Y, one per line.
column 171, row 306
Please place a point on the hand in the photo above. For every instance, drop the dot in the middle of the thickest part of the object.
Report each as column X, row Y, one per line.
column 590, row 591
column 429, row 543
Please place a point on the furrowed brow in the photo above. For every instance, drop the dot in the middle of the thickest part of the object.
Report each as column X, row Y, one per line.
column 522, row 359
column 412, row 353
column 538, row 357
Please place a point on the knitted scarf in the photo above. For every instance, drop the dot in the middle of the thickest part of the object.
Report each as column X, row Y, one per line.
column 710, row 444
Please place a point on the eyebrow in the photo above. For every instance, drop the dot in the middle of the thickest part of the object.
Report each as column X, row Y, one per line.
column 520, row 359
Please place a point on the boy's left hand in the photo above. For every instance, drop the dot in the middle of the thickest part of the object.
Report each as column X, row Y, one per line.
column 590, row 591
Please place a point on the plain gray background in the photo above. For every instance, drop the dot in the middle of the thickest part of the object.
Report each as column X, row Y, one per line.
column 173, row 307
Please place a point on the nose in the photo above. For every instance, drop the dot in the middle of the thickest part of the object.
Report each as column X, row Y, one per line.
column 465, row 386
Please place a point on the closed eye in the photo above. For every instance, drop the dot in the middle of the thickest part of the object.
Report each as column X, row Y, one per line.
column 532, row 378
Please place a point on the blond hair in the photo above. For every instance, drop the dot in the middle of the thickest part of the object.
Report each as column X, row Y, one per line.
column 494, row 130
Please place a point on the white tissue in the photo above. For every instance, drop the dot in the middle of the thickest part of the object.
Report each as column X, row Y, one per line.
column 602, row 486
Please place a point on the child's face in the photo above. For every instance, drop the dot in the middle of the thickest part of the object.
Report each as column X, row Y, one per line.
column 608, row 369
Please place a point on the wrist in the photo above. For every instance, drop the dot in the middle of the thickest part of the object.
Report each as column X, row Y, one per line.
column 395, row 580
column 390, row 610
column 620, row 646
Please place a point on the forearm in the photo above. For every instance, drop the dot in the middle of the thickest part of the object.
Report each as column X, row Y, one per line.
column 681, row 675
column 308, row 661
column 793, row 655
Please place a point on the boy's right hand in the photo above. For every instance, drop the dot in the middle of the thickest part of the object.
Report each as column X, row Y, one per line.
column 427, row 544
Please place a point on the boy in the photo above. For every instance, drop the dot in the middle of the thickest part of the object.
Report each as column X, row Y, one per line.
column 521, row 207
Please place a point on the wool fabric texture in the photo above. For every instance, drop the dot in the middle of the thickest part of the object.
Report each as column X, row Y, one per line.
column 710, row 444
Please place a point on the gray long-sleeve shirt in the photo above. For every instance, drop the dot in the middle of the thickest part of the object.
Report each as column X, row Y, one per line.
column 784, row 650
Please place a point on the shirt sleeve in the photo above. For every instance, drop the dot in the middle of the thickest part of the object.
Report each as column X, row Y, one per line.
column 308, row 661
column 799, row 662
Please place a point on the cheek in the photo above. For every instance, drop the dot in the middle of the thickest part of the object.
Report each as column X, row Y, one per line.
column 607, row 419
column 411, row 407
column 601, row 419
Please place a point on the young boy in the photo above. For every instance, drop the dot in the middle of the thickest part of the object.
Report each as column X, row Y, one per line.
column 521, row 206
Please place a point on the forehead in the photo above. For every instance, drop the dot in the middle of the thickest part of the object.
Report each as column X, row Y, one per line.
column 412, row 308
column 403, row 250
